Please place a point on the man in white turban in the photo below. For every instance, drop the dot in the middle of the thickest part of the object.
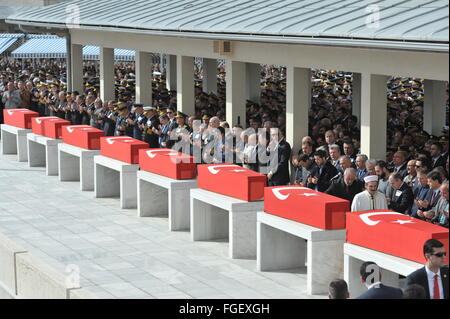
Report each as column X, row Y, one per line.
column 371, row 198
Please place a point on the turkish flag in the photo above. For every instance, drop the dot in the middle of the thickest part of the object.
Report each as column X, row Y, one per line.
column 393, row 233
column 83, row 136
column 306, row 206
column 37, row 124
column 122, row 148
column 19, row 117
column 53, row 128
column 167, row 162
column 232, row 180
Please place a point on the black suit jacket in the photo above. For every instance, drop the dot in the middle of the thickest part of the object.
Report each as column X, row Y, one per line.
column 402, row 170
column 281, row 168
column 382, row 292
column 404, row 202
column 420, row 277
column 441, row 161
column 339, row 189
column 324, row 181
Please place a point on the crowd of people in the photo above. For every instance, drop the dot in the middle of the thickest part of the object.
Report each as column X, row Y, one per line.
column 412, row 179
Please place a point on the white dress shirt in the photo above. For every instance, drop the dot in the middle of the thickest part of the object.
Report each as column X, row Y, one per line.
column 430, row 276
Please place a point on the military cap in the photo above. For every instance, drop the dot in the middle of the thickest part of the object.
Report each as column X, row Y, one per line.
column 180, row 115
column 122, row 106
column 205, row 117
column 138, row 105
column 149, row 108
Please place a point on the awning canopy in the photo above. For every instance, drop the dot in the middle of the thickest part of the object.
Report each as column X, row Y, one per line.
column 55, row 48
column 405, row 24
column 6, row 42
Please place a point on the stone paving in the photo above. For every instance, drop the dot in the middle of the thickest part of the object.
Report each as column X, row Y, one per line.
column 119, row 254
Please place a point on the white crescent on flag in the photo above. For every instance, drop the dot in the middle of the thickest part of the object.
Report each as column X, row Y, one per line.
column 11, row 112
column 365, row 218
column 125, row 139
column 277, row 191
column 71, row 128
column 152, row 154
column 214, row 171
column 39, row 119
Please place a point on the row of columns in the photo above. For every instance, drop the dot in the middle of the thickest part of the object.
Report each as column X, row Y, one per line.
column 243, row 82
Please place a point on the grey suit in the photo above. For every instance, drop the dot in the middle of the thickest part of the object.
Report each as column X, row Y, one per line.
column 12, row 99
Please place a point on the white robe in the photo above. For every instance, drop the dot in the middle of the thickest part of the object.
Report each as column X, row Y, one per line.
column 363, row 201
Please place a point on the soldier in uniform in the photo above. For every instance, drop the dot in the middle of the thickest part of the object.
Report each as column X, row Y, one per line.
column 182, row 132
column 123, row 127
column 109, row 118
column 151, row 127
column 138, row 118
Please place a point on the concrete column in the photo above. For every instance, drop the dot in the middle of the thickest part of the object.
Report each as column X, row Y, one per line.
column 68, row 62
column 373, row 115
column 253, row 82
column 107, row 84
column 171, row 72
column 185, row 85
column 298, row 103
column 235, row 92
column 434, row 106
column 144, row 78
column 356, row 96
column 210, row 75
column 77, row 67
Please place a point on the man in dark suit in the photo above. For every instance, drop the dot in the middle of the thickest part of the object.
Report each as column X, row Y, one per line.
column 279, row 165
column 434, row 275
column 402, row 195
column 346, row 186
column 322, row 174
column 422, row 193
column 436, row 155
column 371, row 278
column 399, row 163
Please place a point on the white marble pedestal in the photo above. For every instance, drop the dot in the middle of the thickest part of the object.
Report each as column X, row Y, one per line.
column 77, row 164
column 115, row 178
column 390, row 267
column 14, row 141
column 286, row 244
column 43, row 152
column 160, row 195
column 215, row 216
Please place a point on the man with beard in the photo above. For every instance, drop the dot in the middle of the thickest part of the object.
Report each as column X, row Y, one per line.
column 381, row 170
column 371, row 198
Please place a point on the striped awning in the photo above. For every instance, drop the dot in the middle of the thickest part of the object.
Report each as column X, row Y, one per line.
column 5, row 43
column 55, row 48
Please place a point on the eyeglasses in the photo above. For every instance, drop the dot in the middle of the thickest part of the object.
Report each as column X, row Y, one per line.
column 440, row 254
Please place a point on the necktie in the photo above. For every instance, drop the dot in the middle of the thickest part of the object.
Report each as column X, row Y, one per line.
column 433, row 197
column 436, row 288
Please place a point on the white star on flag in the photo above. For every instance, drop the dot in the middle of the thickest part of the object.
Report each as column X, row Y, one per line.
column 401, row 222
